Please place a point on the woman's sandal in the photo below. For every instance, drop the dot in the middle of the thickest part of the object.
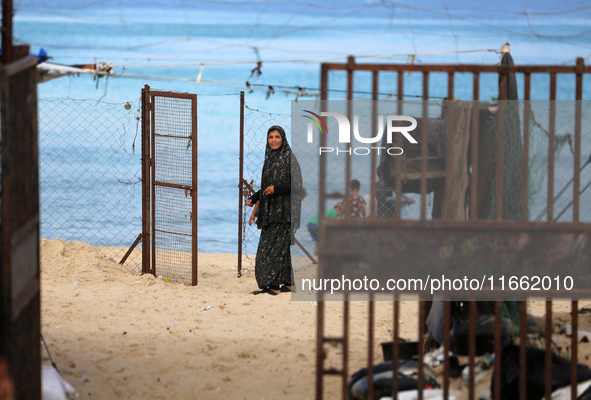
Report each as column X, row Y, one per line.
column 268, row 291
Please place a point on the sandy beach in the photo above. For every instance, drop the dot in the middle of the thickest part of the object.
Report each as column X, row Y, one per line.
column 115, row 334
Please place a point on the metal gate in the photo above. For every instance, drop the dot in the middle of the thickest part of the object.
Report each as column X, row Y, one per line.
column 333, row 233
column 169, row 191
column 20, row 324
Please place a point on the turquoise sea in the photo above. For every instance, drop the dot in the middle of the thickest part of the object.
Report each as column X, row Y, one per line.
column 166, row 42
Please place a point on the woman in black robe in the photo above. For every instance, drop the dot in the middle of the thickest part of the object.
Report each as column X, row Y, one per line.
column 279, row 207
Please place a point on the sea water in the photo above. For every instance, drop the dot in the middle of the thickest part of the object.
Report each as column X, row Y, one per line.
column 166, row 35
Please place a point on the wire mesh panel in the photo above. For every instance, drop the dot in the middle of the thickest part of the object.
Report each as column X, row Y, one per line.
column 90, row 173
column 174, row 186
column 19, row 286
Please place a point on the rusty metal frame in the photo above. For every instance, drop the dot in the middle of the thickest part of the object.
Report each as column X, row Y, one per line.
column 20, row 321
column 146, row 181
column 476, row 70
column 149, row 116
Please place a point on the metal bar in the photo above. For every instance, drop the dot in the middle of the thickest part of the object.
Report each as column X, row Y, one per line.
column 461, row 225
column 319, row 347
column 497, row 362
column 146, row 179
column 374, row 162
column 395, row 349
column 450, row 85
column 449, row 170
column 351, row 66
column 571, row 202
column 173, row 185
column 321, row 206
column 551, row 145
column 474, row 137
column 251, row 191
column 525, row 159
column 7, row 12
column 6, row 327
column 446, row 347
column 172, row 136
column 424, row 143
column 174, row 233
column 324, row 82
column 194, row 190
column 305, row 252
column 322, row 157
column 240, row 184
column 522, row 349
column 153, row 175
column 548, row 359
column 174, row 95
column 472, row 350
column 574, row 345
column 421, row 377
column 398, row 160
column 500, row 148
column 449, row 152
column 578, row 115
column 370, row 330
column 458, row 68
column 345, row 377
column 133, row 246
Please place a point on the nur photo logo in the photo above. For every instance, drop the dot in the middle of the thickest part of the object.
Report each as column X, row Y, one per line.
column 401, row 124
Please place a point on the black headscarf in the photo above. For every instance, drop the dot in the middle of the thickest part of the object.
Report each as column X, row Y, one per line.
column 280, row 168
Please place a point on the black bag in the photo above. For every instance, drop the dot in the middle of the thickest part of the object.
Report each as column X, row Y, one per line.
column 536, row 370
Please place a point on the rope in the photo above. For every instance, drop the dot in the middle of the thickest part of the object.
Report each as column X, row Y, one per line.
column 263, row 87
column 306, row 59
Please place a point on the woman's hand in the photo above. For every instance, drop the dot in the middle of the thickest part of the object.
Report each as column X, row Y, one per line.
column 254, row 213
column 249, row 202
column 270, row 190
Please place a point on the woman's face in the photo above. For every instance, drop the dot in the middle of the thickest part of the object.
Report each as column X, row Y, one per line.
column 275, row 140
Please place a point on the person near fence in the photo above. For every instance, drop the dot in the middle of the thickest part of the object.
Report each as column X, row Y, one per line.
column 356, row 201
column 279, row 208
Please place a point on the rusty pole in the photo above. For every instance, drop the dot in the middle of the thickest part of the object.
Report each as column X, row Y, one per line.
column 146, row 237
column 240, row 185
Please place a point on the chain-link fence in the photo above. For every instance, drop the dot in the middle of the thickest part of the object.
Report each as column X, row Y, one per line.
column 256, row 124
column 90, row 174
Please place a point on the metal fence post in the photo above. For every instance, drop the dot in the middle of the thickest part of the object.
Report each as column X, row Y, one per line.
column 146, row 237
column 240, row 185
